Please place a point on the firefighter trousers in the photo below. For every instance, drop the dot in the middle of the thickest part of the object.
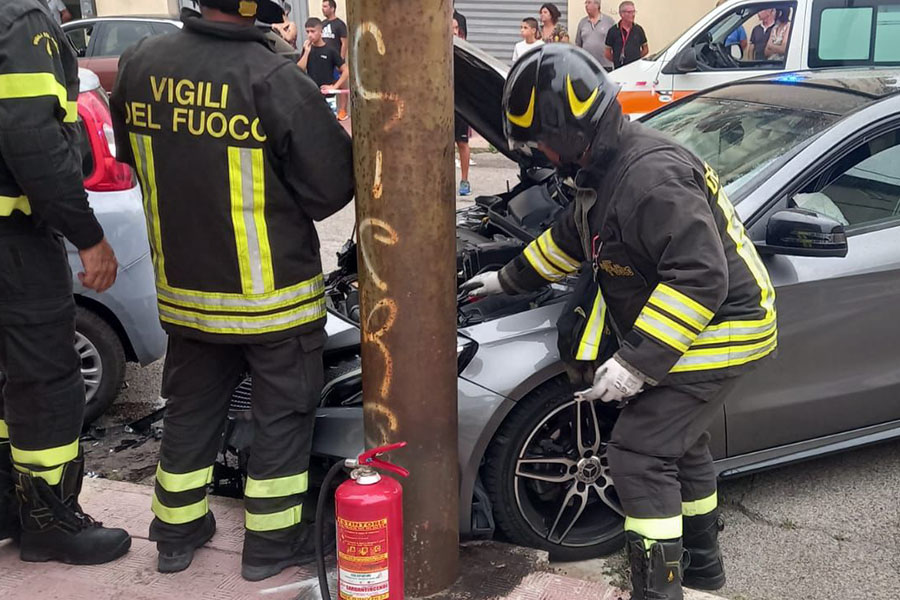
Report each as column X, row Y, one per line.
column 41, row 388
column 198, row 380
column 659, row 456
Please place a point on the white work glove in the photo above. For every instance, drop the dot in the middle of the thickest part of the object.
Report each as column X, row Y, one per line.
column 612, row 383
column 483, row 284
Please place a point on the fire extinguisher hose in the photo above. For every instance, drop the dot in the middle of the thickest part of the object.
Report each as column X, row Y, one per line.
column 333, row 472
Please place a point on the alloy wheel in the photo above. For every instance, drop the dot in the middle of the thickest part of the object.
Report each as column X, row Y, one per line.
column 91, row 365
column 563, row 487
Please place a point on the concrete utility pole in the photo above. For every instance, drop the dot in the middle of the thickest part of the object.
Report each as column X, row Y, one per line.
column 401, row 72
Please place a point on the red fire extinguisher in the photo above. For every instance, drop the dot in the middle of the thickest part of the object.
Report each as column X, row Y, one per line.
column 369, row 518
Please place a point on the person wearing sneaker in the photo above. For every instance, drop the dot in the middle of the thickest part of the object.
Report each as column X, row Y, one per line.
column 679, row 284
column 42, row 200
column 460, row 127
column 231, row 199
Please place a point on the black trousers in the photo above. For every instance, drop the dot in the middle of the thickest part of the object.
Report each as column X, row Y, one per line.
column 659, row 454
column 41, row 389
column 198, row 379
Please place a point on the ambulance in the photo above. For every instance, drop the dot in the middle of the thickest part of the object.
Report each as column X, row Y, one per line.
column 720, row 47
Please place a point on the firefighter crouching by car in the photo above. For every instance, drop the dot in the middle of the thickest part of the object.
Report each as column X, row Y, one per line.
column 41, row 388
column 237, row 155
column 679, row 281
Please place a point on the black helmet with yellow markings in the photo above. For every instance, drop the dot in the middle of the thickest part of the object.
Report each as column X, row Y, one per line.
column 557, row 95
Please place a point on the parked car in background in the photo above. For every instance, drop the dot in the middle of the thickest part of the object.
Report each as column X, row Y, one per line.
column 100, row 41
column 120, row 324
column 819, row 34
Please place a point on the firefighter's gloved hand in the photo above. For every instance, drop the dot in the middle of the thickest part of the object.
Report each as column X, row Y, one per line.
column 483, row 284
column 612, row 383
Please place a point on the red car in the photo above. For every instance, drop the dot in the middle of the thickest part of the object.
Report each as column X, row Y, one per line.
column 99, row 41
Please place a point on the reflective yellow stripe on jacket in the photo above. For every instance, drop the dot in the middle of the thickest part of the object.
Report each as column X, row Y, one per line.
column 259, row 307
column 589, row 345
column 735, row 343
column 548, row 260
column 8, row 204
column 673, row 318
column 35, row 85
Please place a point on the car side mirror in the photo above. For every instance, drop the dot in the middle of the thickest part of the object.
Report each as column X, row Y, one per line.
column 800, row 232
column 683, row 62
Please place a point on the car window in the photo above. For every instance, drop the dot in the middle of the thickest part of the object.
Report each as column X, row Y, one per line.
column 738, row 138
column 80, row 38
column 863, row 188
column 749, row 37
column 868, row 32
column 121, row 35
column 163, row 27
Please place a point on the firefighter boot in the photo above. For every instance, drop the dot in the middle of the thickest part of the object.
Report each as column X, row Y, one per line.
column 706, row 570
column 55, row 528
column 175, row 557
column 9, row 518
column 655, row 571
column 265, row 557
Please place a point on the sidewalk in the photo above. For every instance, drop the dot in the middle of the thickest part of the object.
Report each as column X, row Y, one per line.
column 489, row 571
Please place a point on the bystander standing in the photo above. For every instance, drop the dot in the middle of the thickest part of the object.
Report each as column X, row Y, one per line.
column 626, row 42
column 334, row 33
column 759, row 37
column 738, row 37
column 320, row 61
column 551, row 29
column 592, row 32
column 461, row 128
column 530, row 39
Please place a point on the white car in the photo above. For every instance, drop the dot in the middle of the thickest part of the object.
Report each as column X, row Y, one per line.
column 122, row 323
column 716, row 50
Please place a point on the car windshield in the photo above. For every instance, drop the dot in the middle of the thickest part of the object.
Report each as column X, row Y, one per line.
column 739, row 139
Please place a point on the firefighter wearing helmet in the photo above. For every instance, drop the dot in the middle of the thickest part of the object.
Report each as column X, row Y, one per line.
column 680, row 286
column 237, row 153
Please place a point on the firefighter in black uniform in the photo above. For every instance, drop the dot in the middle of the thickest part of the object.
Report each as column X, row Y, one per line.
column 679, row 283
column 41, row 197
column 237, row 154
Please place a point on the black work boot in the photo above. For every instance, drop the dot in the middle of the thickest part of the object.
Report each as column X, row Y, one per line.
column 9, row 511
column 655, row 572
column 177, row 556
column 263, row 557
column 55, row 528
column 706, row 570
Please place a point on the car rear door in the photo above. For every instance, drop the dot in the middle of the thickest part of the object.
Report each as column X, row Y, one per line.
column 837, row 364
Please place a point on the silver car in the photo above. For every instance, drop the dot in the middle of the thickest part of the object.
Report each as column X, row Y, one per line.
column 812, row 163
column 120, row 324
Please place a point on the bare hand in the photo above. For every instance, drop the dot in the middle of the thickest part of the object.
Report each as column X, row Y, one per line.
column 326, row 89
column 100, row 267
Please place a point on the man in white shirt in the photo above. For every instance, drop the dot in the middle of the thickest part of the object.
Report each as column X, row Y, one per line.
column 530, row 39
column 592, row 30
column 58, row 11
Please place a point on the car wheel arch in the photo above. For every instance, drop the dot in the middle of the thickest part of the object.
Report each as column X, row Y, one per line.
column 102, row 311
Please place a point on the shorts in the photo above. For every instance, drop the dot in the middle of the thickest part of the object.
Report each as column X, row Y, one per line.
column 461, row 131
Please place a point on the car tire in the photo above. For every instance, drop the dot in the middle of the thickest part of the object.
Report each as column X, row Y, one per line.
column 531, row 511
column 102, row 362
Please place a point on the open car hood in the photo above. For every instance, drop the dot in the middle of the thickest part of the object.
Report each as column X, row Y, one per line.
column 478, row 85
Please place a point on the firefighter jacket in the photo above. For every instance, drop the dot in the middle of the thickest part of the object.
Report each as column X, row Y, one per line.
column 681, row 281
column 41, row 181
column 237, row 153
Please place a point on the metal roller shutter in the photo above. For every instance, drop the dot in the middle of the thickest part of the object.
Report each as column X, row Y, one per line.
column 494, row 24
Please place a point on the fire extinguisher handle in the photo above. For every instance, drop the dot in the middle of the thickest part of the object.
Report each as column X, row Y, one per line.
column 370, row 458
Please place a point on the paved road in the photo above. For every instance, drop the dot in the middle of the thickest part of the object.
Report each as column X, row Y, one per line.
column 826, row 529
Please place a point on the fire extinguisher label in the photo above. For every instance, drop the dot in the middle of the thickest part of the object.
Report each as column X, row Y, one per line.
column 363, row 559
